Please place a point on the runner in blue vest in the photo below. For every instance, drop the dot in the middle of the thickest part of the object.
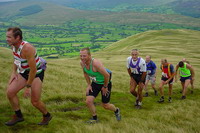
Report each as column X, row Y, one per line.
column 151, row 75
column 136, row 67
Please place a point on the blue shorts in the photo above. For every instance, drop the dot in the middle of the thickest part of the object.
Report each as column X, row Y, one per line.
column 182, row 79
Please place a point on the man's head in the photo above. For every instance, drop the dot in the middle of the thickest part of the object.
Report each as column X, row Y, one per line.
column 13, row 35
column 134, row 54
column 181, row 64
column 164, row 61
column 184, row 60
column 148, row 58
column 85, row 55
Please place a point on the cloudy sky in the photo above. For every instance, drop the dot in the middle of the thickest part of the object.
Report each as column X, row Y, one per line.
column 7, row 0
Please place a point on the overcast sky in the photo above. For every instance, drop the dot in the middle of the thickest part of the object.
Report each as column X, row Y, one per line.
column 7, row 0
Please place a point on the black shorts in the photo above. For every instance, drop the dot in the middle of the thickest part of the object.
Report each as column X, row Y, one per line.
column 165, row 79
column 182, row 79
column 137, row 78
column 96, row 88
column 26, row 74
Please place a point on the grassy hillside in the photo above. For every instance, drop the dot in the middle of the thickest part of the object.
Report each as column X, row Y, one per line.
column 64, row 90
column 184, row 7
column 39, row 13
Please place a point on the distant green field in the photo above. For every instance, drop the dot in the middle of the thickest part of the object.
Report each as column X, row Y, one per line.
column 67, row 39
column 64, row 90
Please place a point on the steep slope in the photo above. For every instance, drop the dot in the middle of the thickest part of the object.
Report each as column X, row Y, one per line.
column 163, row 43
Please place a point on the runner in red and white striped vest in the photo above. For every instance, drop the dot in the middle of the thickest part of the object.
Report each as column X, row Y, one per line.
column 27, row 73
column 22, row 64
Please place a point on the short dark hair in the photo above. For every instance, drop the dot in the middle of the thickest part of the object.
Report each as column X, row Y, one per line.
column 87, row 49
column 181, row 64
column 16, row 32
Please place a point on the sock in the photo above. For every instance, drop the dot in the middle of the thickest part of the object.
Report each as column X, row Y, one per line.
column 116, row 111
column 47, row 115
column 19, row 113
column 95, row 117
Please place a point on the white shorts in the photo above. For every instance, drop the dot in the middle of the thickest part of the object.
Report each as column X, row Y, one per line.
column 151, row 78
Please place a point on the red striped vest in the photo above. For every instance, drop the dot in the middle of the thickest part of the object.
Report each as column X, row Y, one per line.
column 22, row 64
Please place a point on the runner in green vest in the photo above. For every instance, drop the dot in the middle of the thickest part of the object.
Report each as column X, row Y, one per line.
column 192, row 81
column 101, row 81
column 186, row 75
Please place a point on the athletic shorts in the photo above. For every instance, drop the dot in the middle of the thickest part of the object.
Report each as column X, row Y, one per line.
column 26, row 74
column 151, row 78
column 165, row 79
column 96, row 88
column 137, row 78
column 182, row 79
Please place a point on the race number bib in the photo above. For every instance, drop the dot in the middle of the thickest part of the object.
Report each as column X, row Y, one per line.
column 93, row 79
column 134, row 70
column 164, row 75
column 19, row 68
column 148, row 71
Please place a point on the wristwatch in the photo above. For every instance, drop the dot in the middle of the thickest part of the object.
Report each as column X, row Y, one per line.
column 28, row 86
column 105, row 86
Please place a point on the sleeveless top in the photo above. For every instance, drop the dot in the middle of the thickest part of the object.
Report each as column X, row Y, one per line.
column 136, row 66
column 184, row 72
column 22, row 64
column 96, row 77
column 151, row 68
column 166, row 72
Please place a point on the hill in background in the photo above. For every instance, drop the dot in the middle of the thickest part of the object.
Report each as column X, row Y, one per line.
column 29, row 12
column 64, row 90
column 183, row 7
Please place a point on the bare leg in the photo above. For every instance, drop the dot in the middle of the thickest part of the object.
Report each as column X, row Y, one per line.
column 109, row 106
column 170, row 90
column 90, row 104
column 187, row 82
column 36, row 90
column 133, row 86
column 146, row 85
column 161, row 88
column 12, row 90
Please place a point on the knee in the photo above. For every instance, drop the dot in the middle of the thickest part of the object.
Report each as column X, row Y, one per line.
column 35, row 103
column 89, row 101
column 105, row 105
column 10, row 94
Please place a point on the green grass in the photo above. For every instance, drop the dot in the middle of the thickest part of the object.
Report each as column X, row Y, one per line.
column 64, row 90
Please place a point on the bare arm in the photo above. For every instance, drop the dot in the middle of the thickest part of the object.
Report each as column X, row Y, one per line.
column 176, row 72
column 29, row 54
column 129, row 71
column 87, row 78
column 100, row 68
column 191, row 70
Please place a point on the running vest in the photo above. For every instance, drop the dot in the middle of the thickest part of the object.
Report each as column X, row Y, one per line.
column 96, row 77
column 136, row 66
column 22, row 64
column 184, row 72
column 166, row 72
column 150, row 68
